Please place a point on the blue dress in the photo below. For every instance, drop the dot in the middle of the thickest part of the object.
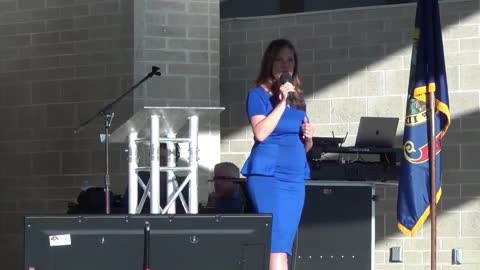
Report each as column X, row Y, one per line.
column 276, row 170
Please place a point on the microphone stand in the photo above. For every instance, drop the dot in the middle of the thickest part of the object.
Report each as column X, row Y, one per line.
column 146, row 247
column 108, row 117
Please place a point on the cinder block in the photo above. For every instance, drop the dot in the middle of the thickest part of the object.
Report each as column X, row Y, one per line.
column 468, row 77
column 103, row 8
column 47, row 163
column 299, row 31
column 59, row 24
column 30, row 27
column 343, row 111
column 331, row 29
column 188, row 44
column 187, row 20
column 30, row 4
column 165, row 6
column 386, row 106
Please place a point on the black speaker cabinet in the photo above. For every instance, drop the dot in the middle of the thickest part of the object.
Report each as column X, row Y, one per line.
column 337, row 227
column 213, row 242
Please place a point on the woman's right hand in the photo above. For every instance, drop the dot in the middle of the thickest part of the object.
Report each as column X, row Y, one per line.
column 284, row 90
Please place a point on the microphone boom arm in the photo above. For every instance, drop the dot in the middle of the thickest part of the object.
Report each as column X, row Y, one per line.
column 155, row 71
column 108, row 117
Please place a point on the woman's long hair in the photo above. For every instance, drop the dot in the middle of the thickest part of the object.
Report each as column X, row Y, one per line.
column 265, row 76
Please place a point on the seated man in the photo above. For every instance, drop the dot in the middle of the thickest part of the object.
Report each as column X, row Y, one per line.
column 227, row 197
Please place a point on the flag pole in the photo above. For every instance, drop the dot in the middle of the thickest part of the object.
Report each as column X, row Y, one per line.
column 433, row 181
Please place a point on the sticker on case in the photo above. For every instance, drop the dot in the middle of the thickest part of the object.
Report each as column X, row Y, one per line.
column 60, row 240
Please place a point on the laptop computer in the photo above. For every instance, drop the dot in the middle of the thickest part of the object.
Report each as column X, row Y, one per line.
column 376, row 132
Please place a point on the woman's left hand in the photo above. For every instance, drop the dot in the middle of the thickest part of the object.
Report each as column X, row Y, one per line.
column 307, row 129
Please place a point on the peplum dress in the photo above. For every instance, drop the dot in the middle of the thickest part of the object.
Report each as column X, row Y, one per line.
column 276, row 170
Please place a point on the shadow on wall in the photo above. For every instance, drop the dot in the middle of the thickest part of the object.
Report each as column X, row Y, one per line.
column 459, row 183
column 325, row 71
column 338, row 59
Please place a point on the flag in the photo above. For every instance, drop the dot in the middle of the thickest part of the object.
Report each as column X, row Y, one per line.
column 427, row 74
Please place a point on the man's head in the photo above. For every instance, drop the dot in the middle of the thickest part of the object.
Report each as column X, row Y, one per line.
column 223, row 174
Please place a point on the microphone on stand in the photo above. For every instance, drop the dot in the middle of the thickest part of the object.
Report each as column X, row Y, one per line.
column 155, row 71
column 284, row 78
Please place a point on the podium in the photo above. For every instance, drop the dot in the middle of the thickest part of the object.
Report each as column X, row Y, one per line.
column 154, row 125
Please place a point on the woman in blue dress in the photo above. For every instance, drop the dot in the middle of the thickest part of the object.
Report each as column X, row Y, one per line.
column 277, row 166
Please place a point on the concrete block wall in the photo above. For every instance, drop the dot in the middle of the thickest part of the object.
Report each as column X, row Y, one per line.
column 182, row 38
column 353, row 63
column 60, row 62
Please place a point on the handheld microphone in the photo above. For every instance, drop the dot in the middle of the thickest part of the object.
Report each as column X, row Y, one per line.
column 284, row 78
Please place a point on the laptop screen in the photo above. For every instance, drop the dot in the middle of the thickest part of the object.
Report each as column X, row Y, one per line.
column 376, row 132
